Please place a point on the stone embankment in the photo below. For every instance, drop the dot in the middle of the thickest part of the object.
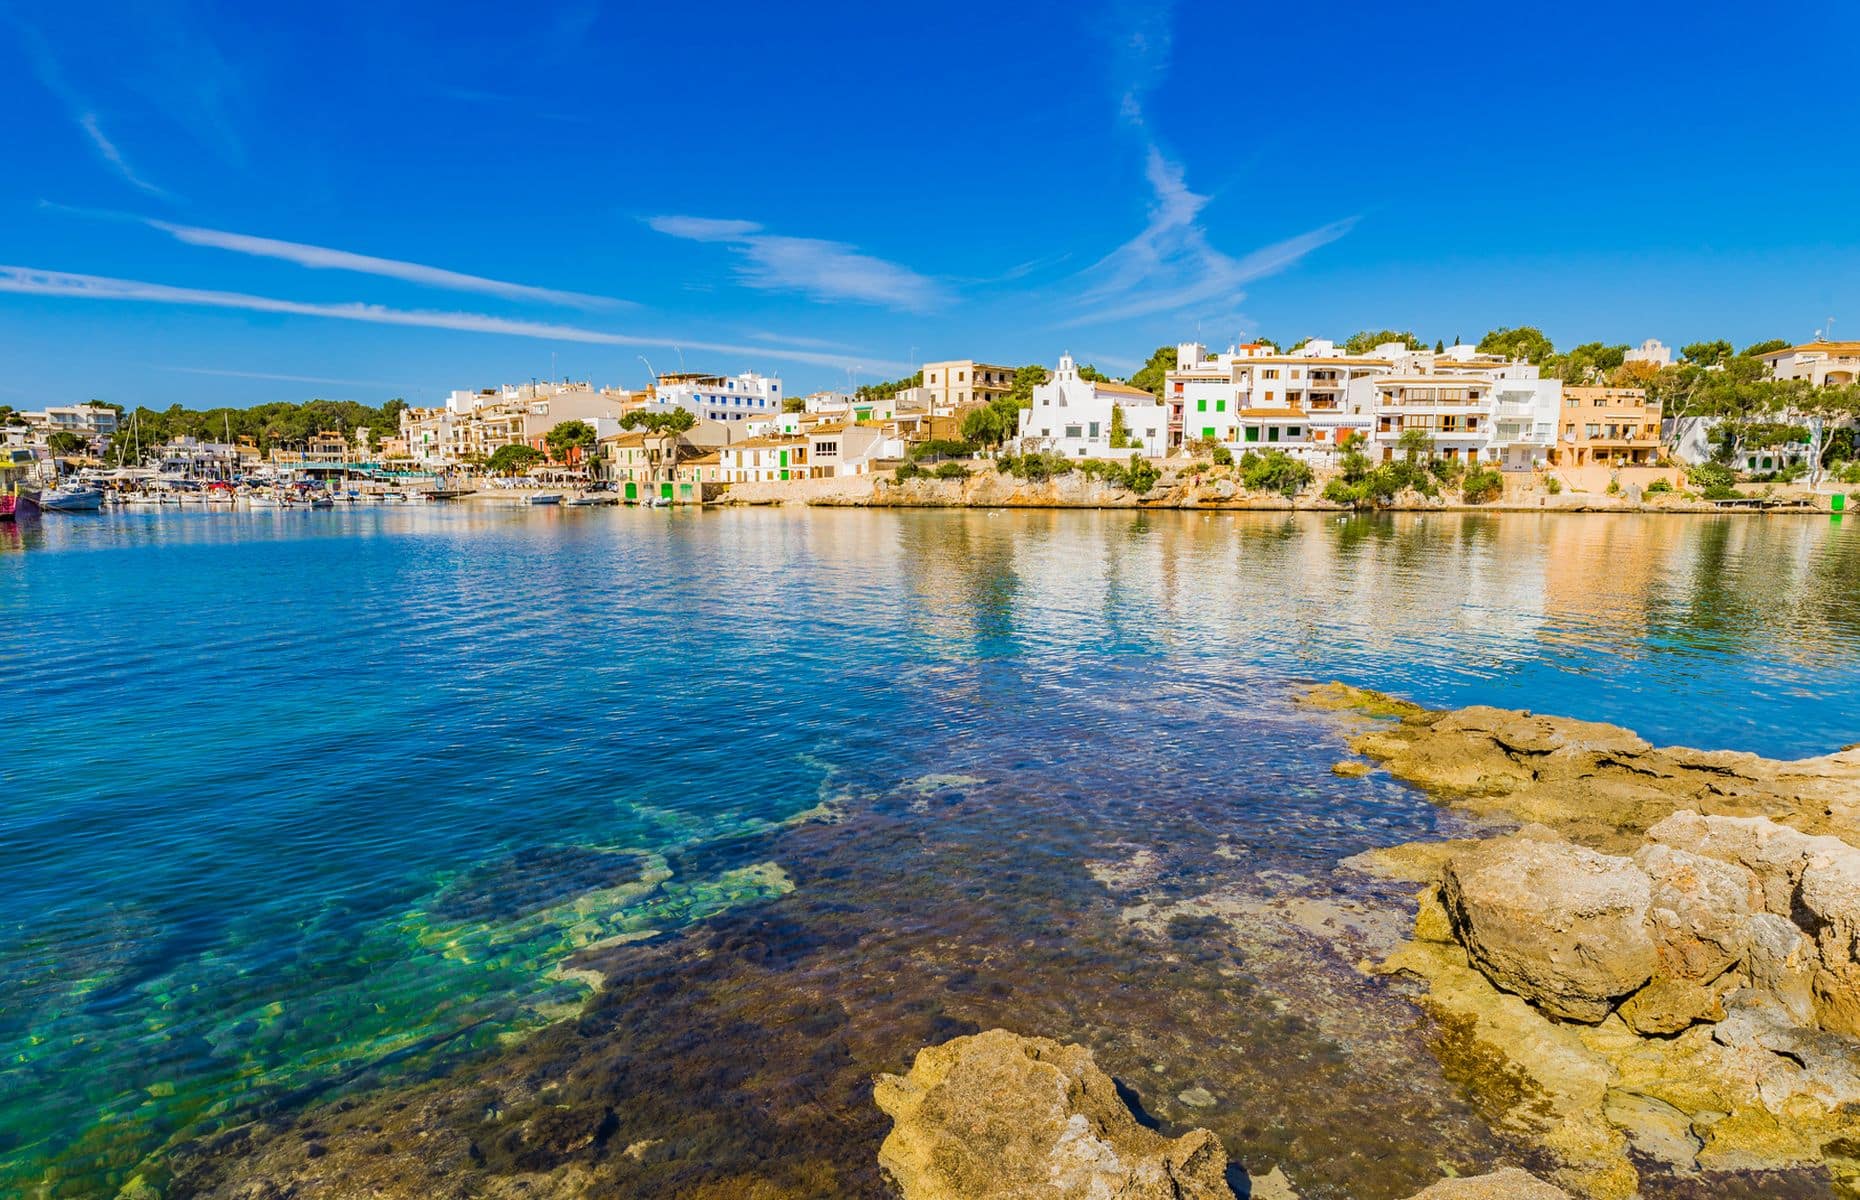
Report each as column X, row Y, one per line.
column 998, row 1116
column 985, row 487
column 1664, row 958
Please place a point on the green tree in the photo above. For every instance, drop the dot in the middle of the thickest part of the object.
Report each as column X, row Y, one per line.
column 1093, row 374
column 675, row 420
column 1415, row 444
column 1526, row 342
column 1365, row 341
column 885, row 391
column 1120, row 432
column 1707, row 354
column 1025, row 380
column 65, row 444
column 794, row 404
column 1154, row 372
column 571, row 436
column 986, row 425
column 1759, row 349
column 514, row 458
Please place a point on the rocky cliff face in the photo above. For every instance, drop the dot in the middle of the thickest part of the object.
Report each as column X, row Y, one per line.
column 1666, row 958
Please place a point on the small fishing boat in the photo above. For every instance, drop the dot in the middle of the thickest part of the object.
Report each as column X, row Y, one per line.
column 590, row 500
column 546, row 498
column 16, row 499
column 322, row 502
column 71, row 497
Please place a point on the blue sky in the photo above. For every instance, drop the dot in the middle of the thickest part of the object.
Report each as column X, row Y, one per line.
column 237, row 203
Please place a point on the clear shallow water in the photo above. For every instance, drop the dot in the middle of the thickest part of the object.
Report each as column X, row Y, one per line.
column 291, row 796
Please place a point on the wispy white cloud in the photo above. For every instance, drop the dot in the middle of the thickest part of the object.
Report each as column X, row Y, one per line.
column 815, row 267
column 1172, row 265
column 52, row 77
column 225, row 374
column 324, row 258
column 787, row 339
column 37, row 282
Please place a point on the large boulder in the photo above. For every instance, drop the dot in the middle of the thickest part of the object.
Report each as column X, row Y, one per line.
column 998, row 1116
column 1698, row 912
column 1830, row 895
column 1558, row 924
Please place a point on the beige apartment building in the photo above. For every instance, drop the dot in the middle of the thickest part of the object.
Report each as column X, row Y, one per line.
column 964, row 383
column 1606, row 426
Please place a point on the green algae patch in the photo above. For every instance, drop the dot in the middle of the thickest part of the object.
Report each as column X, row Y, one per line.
column 440, row 978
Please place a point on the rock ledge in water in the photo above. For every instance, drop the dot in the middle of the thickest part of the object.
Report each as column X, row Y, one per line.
column 996, row 1116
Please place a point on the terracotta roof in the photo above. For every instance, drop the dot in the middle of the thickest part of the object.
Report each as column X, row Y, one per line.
column 1124, row 389
column 1271, row 413
column 1826, row 347
column 836, row 427
column 703, row 460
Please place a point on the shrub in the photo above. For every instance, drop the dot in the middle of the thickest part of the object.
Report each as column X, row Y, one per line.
column 1613, row 488
column 1553, row 485
column 1342, row 491
column 1715, row 480
column 1658, row 487
column 907, row 470
column 1276, row 471
column 1482, row 485
column 941, row 448
column 1223, row 457
column 1446, row 469
column 1035, row 465
column 950, row 470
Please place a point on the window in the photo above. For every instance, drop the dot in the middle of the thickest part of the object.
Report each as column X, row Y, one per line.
column 827, row 449
column 1207, row 431
column 1269, row 399
column 1252, row 433
column 1292, row 432
column 1220, row 406
column 1201, row 406
column 1072, row 431
column 1094, row 429
column 1272, row 374
column 1178, row 387
column 1592, row 430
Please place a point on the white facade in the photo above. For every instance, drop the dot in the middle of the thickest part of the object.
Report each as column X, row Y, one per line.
column 92, row 422
column 1653, row 350
column 1824, row 364
column 1073, row 416
column 1500, row 414
column 719, row 398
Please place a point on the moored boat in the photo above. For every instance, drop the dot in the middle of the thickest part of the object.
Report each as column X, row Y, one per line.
column 546, row 498
column 71, row 497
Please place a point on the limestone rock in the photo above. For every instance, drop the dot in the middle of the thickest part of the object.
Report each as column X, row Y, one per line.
column 998, row 1116
column 1561, row 925
column 1508, row 1184
column 1696, row 915
column 1830, row 895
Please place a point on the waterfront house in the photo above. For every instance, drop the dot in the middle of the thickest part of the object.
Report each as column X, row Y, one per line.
column 1607, row 426
column 1313, row 396
column 1073, row 416
column 776, row 459
column 847, row 448
column 95, row 423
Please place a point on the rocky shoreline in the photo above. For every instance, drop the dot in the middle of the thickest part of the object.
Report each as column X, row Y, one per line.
column 986, row 488
column 1662, row 964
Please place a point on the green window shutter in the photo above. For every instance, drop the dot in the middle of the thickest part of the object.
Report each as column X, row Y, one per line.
column 1220, row 406
column 1201, row 406
column 1207, row 431
column 1272, row 433
column 1252, row 433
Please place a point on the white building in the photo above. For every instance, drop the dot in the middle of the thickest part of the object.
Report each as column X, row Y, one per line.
column 1824, row 364
column 718, row 397
column 1474, row 407
column 1073, row 416
column 1304, row 402
column 1653, row 350
column 92, row 422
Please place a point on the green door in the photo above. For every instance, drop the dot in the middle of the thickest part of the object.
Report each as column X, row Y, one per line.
column 665, row 491
column 632, row 491
column 684, row 491
column 784, row 474
column 784, row 460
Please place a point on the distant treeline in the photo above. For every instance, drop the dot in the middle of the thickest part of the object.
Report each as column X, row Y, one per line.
column 282, row 424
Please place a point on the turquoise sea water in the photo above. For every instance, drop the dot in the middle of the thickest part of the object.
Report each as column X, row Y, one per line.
column 297, row 801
